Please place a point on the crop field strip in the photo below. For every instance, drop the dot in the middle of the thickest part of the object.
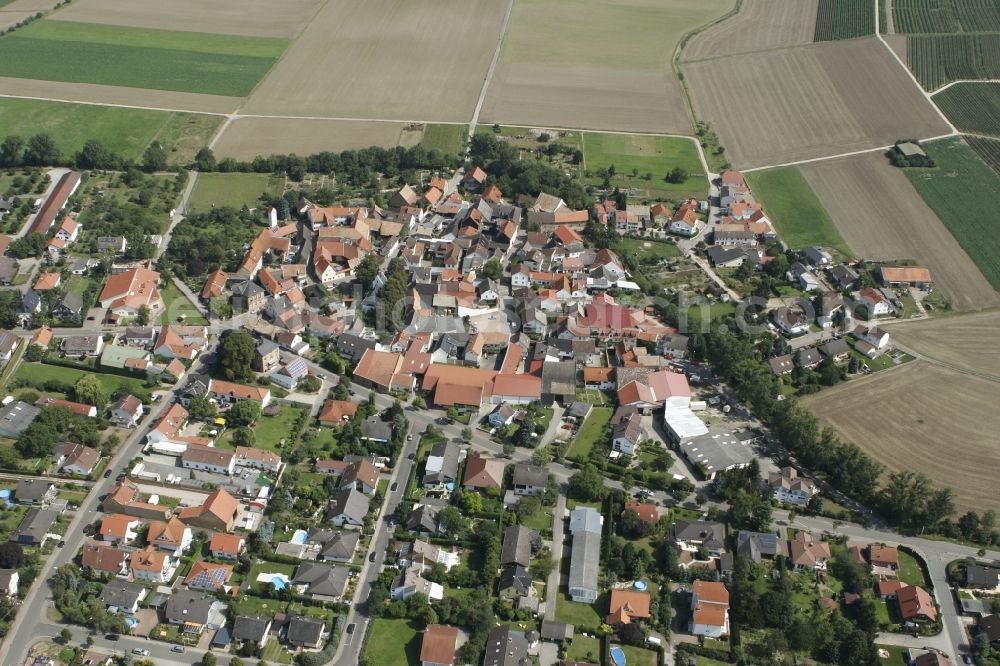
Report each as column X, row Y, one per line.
column 881, row 217
column 987, row 149
column 125, row 132
column 956, row 340
column 972, row 107
column 952, row 189
column 138, row 57
column 945, row 16
column 938, row 59
column 760, row 25
column 843, row 19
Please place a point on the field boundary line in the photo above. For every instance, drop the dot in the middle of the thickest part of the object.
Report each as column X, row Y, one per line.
column 222, row 129
column 906, row 68
column 112, row 104
column 852, row 153
column 492, row 68
column 956, row 82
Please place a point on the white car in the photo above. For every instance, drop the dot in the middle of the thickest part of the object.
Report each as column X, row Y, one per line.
column 140, row 651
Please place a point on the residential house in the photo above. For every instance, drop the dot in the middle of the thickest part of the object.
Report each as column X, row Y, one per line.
column 843, row 277
column 34, row 492
column 9, row 579
column 836, row 349
column 126, row 293
column 530, row 479
column 916, row 605
column 125, row 497
column 516, row 547
column 348, row 508
column 79, row 459
column 208, row 576
column 229, row 392
column 252, row 629
column 441, row 467
column 817, row 256
column 808, row 358
column 267, row 354
column 194, row 612
column 514, row 582
column 483, row 472
column 627, row 606
column 171, row 536
column 152, row 565
column 875, row 303
column 34, row 527
column 305, row 632
column 507, row 645
column 627, row 433
column 120, row 596
column 789, row 321
column 410, row 582
column 337, row 412
column 361, row 475
column 881, row 556
column 126, row 412
column 806, row 554
column 978, row 577
column 690, row 535
column 226, row 546
column 757, row 546
column 82, row 345
column 647, row 513
column 322, row 582
column 585, row 554
column 209, row 459
column 105, row 559
column 709, row 609
column 789, row 488
column 782, row 365
column 118, row 528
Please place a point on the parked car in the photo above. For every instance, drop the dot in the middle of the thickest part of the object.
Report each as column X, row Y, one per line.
column 140, row 651
column 177, row 648
column 107, row 474
column 111, row 637
column 371, row 557
column 395, row 484
column 351, row 627
column 62, row 542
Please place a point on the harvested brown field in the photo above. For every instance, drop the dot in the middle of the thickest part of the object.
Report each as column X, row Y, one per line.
column 898, row 44
column 760, row 25
column 10, row 19
column 261, row 18
column 806, row 102
column 965, row 340
column 245, row 138
column 595, row 64
column 14, row 12
column 385, row 59
column 881, row 216
column 140, row 97
column 585, row 98
column 926, row 418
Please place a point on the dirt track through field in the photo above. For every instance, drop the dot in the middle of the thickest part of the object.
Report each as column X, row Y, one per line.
column 925, row 418
column 965, row 341
column 385, row 59
column 118, row 95
column 810, row 101
column 881, row 216
column 760, row 25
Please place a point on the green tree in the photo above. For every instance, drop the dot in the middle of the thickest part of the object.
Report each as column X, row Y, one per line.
column 472, row 503
column 243, row 413
column 244, row 437
column 154, row 158
column 42, row 151
column 95, row 155
column 587, row 485
column 236, row 354
column 493, row 269
column 309, row 384
column 208, row 659
column 453, row 522
column 65, row 636
column 366, row 271
column 205, row 160
column 10, row 151
column 677, row 175
column 89, row 390
column 200, row 407
column 143, row 316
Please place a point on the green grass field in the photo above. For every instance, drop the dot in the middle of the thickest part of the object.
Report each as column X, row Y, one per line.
column 634, row 156
column 910, row 571
column 583, row 616
column 214, row 190
column 125, row 132
column 267, row 567
column 590, row 433
column 797, row 214
column 960, row 190
column 972, row 107
column 36, row 374
column 176, row 305
column 642, row 249
column 449, row 139
column 393, row 642
column 584, row 648
column 138, row 57
column 638, row 656
column 269, row 430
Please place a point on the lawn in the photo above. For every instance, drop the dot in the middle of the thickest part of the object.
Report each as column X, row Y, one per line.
column 590, row 433
column 269, row 430
column 276, row 652
column 637, row 656
column 583, row 616
column 36, row 374
column 796, row 212
column 643, row 249
column 708, row 661
column 960, row 190
column 393, row 642
column 176, row 305
column 214, row 190
column 897, row 655
column 10, row 518
column 267, row 567
column 637, row 156
column 910, row 571
column 584, row 648
column 138, row 57
column 449, row 139
column 125, row 132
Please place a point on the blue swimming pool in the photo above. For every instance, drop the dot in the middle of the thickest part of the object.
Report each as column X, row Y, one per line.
column 299, row 536
column 618, row 656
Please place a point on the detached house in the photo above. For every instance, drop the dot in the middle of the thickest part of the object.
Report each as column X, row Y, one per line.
column 709, row 609
column 789, row 488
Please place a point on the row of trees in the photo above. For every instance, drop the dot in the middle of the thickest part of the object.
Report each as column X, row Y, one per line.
column 41, row 150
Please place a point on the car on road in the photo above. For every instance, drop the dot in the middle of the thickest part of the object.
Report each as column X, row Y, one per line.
column 395, row 484
column 107, row 474
column 111, row 637
column 62, row 543
column 412, row 456
column 140, row 651
column 177, row 648
column 351, row 627
column 371, row 557
column 409, row 438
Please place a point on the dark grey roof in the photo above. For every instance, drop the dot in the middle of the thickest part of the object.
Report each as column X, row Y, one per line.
column 321, row 579
column 340, row 544
column 515, row 577
column 423, row 519
column 250, row 628
column 559, row 378
column 304, row 630
column 756, row 545
column 579, row 410
column 247, row 289
column 121, row 593
column 712, row 535
column 349, row 502
column 15, row 417
column 556, row 631
column 809, row 357
column 71, row 302
column 526, row 474
column 185, row 606
column 835, row 347
column 585, row 559
column 31, row 490
column 516, row 545
column 506, row 646
column 374, row 427
column 980, row 576
column 354, row 346
column 449, row 453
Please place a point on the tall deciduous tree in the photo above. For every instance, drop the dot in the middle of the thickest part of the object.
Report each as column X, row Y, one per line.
column 236, row 352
